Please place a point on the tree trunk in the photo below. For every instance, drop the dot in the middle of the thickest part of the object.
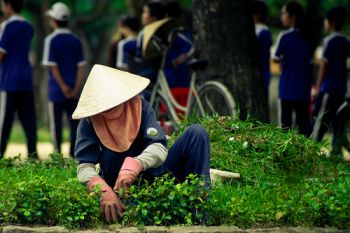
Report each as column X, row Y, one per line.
column 225, row 37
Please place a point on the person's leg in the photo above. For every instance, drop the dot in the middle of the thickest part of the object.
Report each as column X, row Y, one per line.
column 267, row 104
column 110, row 162
column 303, row 117
column 70, row 106
column 338, row 110
column 55, row 119
column 7, row 112
column 321, row 116
column 26, row 115
column 286, row 114
column 190, row 154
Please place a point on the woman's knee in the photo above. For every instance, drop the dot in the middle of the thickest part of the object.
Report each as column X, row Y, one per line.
column 197, row 130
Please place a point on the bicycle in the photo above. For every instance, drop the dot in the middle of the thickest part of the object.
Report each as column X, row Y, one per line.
column 212, row 97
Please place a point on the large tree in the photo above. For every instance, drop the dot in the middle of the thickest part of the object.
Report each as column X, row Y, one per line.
column 225, row 37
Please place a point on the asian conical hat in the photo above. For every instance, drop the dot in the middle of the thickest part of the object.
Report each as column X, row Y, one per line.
column 106, row 88
column 149, row 30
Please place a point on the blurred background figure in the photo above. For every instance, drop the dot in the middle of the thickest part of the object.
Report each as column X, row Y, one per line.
column 293, row 52
column 113, row 47
column 264, row 43
column 152, row 11
column 63, row 55
column 331, row 85
column 180, row 49
column 16, row 84
column 129, row 27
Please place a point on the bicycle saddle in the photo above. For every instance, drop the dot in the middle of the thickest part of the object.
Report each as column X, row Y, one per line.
column 197, row 64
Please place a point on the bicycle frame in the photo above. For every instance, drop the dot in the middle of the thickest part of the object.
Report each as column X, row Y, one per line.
column 162, row 88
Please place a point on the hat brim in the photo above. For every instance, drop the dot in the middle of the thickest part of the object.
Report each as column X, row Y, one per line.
column 51, row 14
column 106, row 88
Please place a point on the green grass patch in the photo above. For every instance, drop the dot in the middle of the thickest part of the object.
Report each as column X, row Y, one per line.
column 286, row 181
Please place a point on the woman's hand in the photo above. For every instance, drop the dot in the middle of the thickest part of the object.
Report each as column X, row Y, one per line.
column 110, row 203
column 128, row 173
column 179, row 60
column 67, row 91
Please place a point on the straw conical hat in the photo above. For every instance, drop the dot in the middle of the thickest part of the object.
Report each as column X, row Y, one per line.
column 161, row 29
column 106, row 88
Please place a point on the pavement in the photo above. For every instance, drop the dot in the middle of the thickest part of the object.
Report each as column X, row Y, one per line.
column 177, row 229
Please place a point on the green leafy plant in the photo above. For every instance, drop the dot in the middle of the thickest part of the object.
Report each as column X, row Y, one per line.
column 286, row 180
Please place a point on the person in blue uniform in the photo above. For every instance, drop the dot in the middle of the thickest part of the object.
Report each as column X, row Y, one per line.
column 119, row 130
column 152, row 11
column 331, row 84
column 180, row 49
column 294, row 54
column 264, row 39
column 63, row 55
column 129, row 27
column 16, row 86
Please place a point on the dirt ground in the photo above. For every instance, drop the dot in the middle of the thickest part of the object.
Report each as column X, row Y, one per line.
column 44, row 149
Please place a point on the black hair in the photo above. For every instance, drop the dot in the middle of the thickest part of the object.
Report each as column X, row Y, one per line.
column 16, row 5
column 156, row 9
column 260, row 9
column 131, row 22
column 296, row 10
column 337, row 16
column 173, row 9
column 61, row 23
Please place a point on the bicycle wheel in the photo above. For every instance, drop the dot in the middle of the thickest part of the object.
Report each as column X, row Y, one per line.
column 163, row 114
column 215, row 99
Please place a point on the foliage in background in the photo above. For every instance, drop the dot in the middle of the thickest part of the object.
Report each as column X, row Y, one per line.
column 286, row 181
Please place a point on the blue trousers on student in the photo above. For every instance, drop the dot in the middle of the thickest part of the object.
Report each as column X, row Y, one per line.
column 56, row 110
column 22, row 103
column 190, row 154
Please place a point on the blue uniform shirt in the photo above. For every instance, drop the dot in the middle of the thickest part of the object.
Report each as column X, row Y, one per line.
column 264, row 42
column 126, row 51
column 15, row 71
column 179, row 76
column 87, row 147
column 336, row 50
column 146, row 67
column 295, row 57
column 62, row 49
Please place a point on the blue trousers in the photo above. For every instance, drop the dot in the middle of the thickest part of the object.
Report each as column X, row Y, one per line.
column 190, row 154
column 22, row 103
column 56, row 110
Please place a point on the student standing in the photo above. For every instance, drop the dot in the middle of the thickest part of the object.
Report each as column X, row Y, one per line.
column 152, row 11
column 175, row 67
column 264, row 39
column 16, row 84
column 63, row 54
column 294, row 54
column 332, row 78
column 129, row 27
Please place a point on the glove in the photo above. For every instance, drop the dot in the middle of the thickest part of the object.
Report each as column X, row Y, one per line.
column 110, row 203
column 128, row 173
